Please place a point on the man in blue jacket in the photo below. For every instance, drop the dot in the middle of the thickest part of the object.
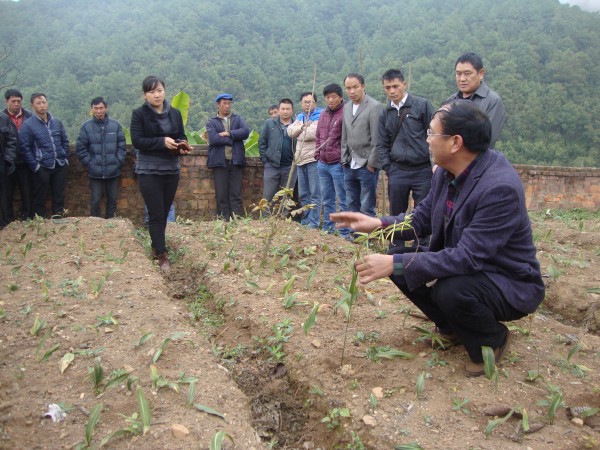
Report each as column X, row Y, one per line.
column 44, row 146
column 227, row 157
column 101, row 149
column 480, row 267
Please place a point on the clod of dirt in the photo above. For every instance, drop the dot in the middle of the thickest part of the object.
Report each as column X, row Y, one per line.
column 179, row 431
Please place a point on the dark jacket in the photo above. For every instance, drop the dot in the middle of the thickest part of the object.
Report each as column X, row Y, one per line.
column 148, row 137
column 43, row 144
column 8, row 143
column 270, row 142
column 328, row 146
column 488, row 231
column 216, row 144
column 406, row 146
column 26, row 115
column 101, row 147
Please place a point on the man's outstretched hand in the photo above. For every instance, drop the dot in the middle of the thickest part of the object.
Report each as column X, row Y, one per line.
column 355, row 221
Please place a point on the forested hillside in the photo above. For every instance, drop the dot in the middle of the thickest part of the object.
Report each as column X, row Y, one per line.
column 542, row 57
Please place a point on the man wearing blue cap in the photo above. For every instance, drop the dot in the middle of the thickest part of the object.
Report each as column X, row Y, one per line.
column 227, row 157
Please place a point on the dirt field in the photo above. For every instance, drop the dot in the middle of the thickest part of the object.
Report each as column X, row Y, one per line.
column 82, row 297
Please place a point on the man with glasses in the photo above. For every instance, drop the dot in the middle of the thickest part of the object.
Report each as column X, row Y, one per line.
column 480, row 268
column 469, row 79
column 402, row 143
column 304, row 132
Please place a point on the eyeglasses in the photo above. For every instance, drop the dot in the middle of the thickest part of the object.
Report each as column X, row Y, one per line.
column 430, row 133
column 307, row 102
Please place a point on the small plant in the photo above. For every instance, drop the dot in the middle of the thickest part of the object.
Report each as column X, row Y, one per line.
column 38, row 325
column 435, row 360
column 553, row 401
column 289, row 300
column 489, row 366
column 90, row 426
column 334, row 417
column 99, row 284
column 216, row 442
column 436, row 339
column 459, row 405
column 136, row 426
column 376, row 354
column 579, row 370
column 96, row 376
column 316, row 390
column 409, row 446
column 158, row 381
column 106, row 320
column 146, row 337
column 161, row 349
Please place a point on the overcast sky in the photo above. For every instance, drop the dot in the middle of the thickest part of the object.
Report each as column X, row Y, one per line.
column 586, row 5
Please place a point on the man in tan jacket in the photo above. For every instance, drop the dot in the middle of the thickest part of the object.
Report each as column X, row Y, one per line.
column 304, row 131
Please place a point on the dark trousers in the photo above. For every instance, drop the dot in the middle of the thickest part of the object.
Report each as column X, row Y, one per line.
column 108, row 187
column 228, row 190
column 53, row 180
column 470, row 306
column 401, row 182
column 23, row 178
column 158, row 192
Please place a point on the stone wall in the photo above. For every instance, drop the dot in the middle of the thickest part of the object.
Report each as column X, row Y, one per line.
column 545, row 187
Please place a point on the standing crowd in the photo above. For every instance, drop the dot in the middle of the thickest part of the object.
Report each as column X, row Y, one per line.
column 472, row 264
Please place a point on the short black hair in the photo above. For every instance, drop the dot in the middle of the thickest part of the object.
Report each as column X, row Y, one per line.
column 12, row 93
column 271, row 108
column 97, row 100
column 358, row 76
column 392, row 74
column 304, row 94
column 465, row 119
column 287, row 101
column 151, row 82
column 472, row 58
column 36, row 95
column 333, row 88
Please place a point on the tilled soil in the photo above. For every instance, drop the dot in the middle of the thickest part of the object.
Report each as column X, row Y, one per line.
column 219, row 319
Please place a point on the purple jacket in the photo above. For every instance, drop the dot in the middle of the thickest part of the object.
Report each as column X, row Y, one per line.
column 328, row 146
column 488, row 231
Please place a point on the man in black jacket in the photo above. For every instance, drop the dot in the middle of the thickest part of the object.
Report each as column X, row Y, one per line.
column 101, row 149
column 402, row 143
column 8, row 150
column 22, row 175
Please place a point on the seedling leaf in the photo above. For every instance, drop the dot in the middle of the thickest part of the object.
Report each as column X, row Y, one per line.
column 91, row 424
column 312, row 318
column 208, row 410
column 145, row 412
column 216, row 441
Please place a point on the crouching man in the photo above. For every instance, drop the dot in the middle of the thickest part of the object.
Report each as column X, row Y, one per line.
column 480, row 267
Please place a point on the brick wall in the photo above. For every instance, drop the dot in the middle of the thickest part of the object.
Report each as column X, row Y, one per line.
column 545, row 187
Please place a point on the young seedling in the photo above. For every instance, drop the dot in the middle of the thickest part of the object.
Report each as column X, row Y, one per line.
column 96, row 376
column 459, row 405
column 216, row 442
column 208, row 410
column 161, row 349
column 90, row 426
column 106, row 320
column 146, row 337
column 136, row 426
column 99, row 284
column 38, row 325
column 409, row 446
column 158, row 381
column 376, row 354
column 334, row 417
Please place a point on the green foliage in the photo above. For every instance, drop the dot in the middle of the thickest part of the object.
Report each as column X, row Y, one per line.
column 537, row 54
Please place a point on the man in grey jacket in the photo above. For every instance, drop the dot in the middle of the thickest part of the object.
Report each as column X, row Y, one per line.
column 359, row 140
column 101, row 149
column 469, row 79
